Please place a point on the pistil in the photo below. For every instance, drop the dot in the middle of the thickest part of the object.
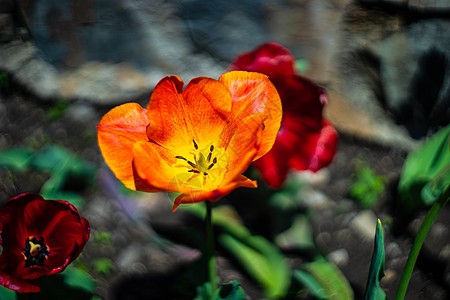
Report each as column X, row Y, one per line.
column 35, row 252
column 200, row 165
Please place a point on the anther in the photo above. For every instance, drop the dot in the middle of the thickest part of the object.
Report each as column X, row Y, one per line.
column 192, row 165
column 208, row 159
column 211, row 149
column 210, row 166
column 195, row 145
column 180, row 157
column 215, row 160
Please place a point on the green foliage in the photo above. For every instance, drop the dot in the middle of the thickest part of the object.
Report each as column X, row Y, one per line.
column 367, row 186
column 72, row 284
column 63, row 166
column 299, row 235
column 228, row 291
column 57, row 111
column 103, row 238
column 426, row 172
column 376, row 271
column 6, row 294
column 259, row 257
column 103, row 266
column 324, row 280
column 15, row 159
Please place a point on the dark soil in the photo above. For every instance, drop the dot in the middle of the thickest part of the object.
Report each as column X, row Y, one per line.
column 155, row 271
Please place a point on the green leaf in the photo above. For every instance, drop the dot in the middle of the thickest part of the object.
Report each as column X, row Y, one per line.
column 298, row 236
column 204, row 292
column 6, row 294
column 50, row 157
column 324, row 280
column 367, row 186
column 231, row 291
column 72, row 284
column 259, row 257
column 228, row 291
column 376, row 271
column 103, row 266
column 311, row 284
column 71, row 197
column 15, row 158
column 79, row 279
column 426, row 172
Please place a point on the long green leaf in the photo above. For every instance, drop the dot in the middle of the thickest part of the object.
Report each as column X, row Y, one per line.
column 15, row 158
column 259, row 257
column 426, row 172
column 231, row 291
column 376, row 271
column 324, row 280
column 6, row 294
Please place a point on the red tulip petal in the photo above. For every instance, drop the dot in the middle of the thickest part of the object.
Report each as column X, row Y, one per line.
column 318, row 149
column 15, row 284
column 271, row 59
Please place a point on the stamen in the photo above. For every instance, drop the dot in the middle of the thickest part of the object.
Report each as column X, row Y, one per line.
column 208, row 159
column 192, row 165
column 180, row 157
column 211, row 149
column 215, row 160
column 195, row 145
column 204, row 173
column 210, row 166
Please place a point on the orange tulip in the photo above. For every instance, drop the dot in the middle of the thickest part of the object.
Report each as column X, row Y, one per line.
column 196, row 142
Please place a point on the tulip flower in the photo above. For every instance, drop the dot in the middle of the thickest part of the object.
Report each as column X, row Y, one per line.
column 38, row 237
column 306, row 141
column 197, row 141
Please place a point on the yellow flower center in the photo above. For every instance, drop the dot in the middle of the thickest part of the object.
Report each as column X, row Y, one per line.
column 202, row 169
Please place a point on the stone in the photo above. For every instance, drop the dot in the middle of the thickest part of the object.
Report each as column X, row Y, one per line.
column 364, row 224
column 394, row 63
column 340, row 257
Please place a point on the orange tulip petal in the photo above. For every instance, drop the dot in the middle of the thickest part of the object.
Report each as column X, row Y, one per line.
column 209, row 103
column 254, row 93
column 199, row 196
column 167, row 114
column 244, row 145
column 118, row 131
column 154, row 165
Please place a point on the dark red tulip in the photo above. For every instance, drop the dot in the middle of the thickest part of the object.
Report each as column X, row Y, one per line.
column 38, row 237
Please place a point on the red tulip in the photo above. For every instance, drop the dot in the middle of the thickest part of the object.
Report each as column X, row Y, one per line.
column 39, row 237
column 305, row 141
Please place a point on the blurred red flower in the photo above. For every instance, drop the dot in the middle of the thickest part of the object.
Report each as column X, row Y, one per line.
column 305, row 141
column 39, row 237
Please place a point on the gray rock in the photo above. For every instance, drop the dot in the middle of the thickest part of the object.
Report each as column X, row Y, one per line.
column 340, row 257
column 364, row 224
column 394, row 62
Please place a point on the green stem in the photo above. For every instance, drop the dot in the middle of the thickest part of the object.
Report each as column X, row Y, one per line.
column 409, row 266
column 210, row 248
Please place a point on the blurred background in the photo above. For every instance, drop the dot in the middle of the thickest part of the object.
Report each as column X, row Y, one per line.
column 385, row 66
